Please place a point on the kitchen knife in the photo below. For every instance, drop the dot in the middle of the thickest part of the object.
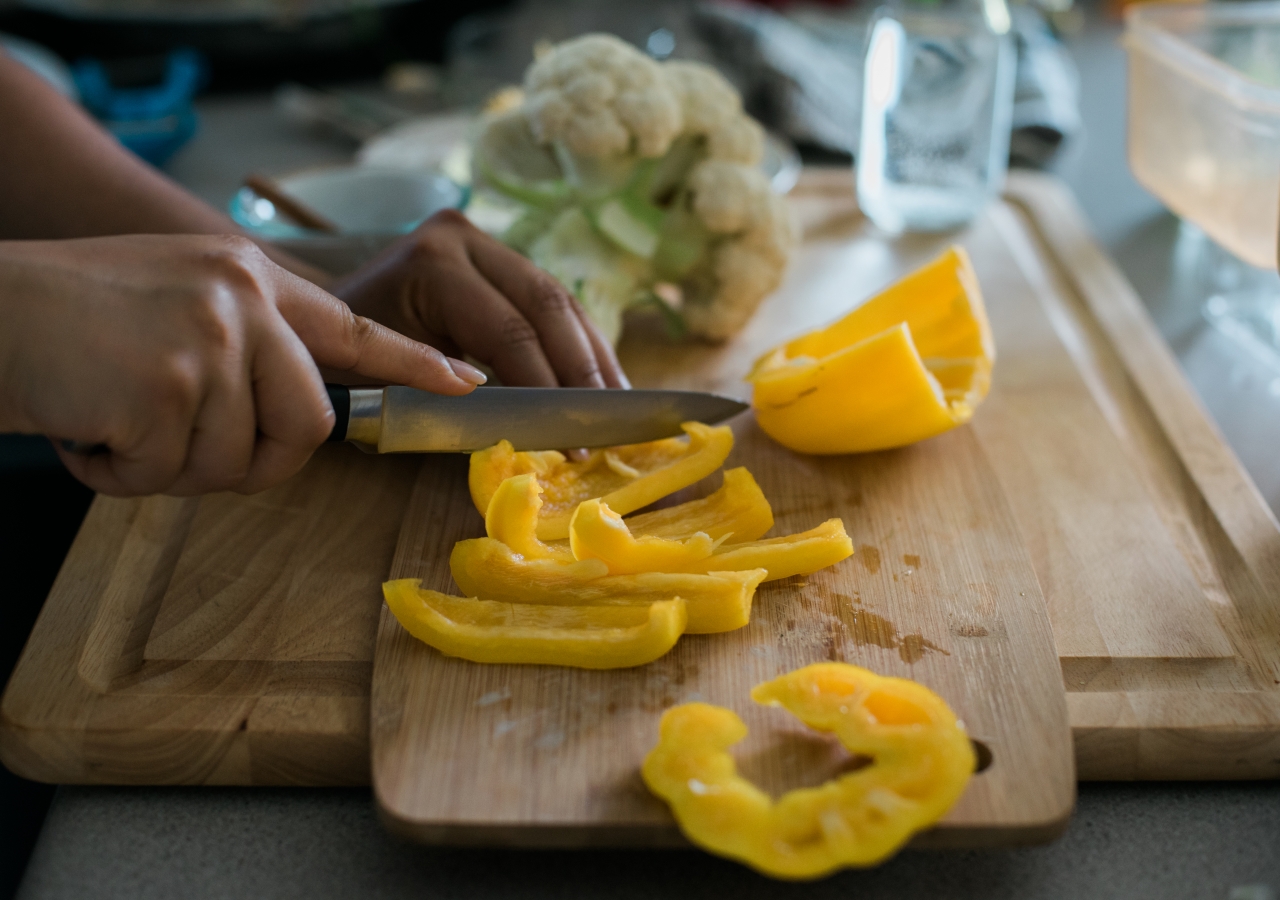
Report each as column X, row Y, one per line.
column 405, row 420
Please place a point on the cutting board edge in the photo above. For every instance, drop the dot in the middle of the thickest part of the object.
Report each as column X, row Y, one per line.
column 542, row 835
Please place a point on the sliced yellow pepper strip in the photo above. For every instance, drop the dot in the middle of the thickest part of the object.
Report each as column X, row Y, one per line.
column 627, row 478
column 792, row 554
column 737, row 512
column 908, row 364
column 921, row 762
column 596, row 533
column 484, row 631
column 512, row 518
column 716, row 602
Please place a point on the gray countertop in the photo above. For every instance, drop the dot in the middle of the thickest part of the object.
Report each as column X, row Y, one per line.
column 1126, row 841
column 1219, row 841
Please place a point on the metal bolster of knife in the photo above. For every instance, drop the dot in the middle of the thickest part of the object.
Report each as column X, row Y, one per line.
column 357, row 412
column 364, row 425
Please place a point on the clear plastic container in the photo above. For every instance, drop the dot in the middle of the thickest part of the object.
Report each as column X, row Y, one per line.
column 1204, row 118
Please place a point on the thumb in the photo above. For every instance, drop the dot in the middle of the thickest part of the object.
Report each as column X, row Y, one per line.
column 339, row 339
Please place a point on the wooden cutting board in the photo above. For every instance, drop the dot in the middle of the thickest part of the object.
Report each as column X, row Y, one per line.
column 941, row 590
column 231, row 639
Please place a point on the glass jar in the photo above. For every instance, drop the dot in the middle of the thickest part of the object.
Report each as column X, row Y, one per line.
column 936, row 109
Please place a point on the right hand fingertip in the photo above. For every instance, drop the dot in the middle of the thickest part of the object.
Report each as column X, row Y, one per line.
column 467, row 372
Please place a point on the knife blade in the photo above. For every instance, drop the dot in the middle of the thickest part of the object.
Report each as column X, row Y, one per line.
column 404, row 420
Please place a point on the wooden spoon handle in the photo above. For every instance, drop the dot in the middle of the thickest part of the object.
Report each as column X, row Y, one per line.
column 293, row 209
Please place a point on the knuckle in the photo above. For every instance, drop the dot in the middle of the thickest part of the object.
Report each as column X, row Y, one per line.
column 239, row 247
column 430, row 247
column 177, row 382
column 450, row 218
column 437, row 239
column 518, row 334
column 236, row 263
column 360, row 330
column 213, row 313
column 547, row 296
column 587, row 371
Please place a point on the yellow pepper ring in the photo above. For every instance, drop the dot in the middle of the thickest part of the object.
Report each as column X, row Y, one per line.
column 921, row 762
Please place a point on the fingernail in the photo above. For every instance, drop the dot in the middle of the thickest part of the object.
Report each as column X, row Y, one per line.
column 623, row 381
column 467, row 372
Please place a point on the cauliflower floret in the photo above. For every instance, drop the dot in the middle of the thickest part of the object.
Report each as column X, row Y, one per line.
column 713, row 109
column 726, row 195
column 747, row 265
column 597, row 94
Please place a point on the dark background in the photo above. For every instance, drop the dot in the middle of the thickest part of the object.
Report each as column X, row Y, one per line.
column 243, row 55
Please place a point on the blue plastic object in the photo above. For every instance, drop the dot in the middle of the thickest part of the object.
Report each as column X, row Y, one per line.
column 152, row 121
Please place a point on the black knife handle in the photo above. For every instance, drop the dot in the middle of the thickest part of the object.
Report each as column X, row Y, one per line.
column 340, row 397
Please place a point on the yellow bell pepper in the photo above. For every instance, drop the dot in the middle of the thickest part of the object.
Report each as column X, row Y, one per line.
column 512, row 518
column 737, row 512
column 484, row 631
column 792, row 554
column 598, row 533
column 921, row 762
column 716, row 602
column 628, row 477
column 910, row 363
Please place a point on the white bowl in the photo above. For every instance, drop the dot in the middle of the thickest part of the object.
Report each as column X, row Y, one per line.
column 371, row 207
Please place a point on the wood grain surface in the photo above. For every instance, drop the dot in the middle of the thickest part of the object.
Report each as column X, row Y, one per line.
column 1177, row 677
column 231, row 639
column 941, row 590
column 221, row 640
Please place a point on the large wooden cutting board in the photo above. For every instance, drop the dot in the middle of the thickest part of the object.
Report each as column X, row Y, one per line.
column 230, row 639
column 941, row 590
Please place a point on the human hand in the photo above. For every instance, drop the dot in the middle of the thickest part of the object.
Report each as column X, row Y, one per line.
column 452, row 286
column 192, row 358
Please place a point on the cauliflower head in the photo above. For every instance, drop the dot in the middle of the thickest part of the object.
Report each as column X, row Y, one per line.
column 637, row 179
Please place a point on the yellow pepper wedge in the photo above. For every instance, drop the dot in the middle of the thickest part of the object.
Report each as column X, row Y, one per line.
column 512, row 518
column 921, row 762
column 737, row 512
column 908, row 364
column 598, row 533
column 485, row 631
column 715, row 602
column 627, row 478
